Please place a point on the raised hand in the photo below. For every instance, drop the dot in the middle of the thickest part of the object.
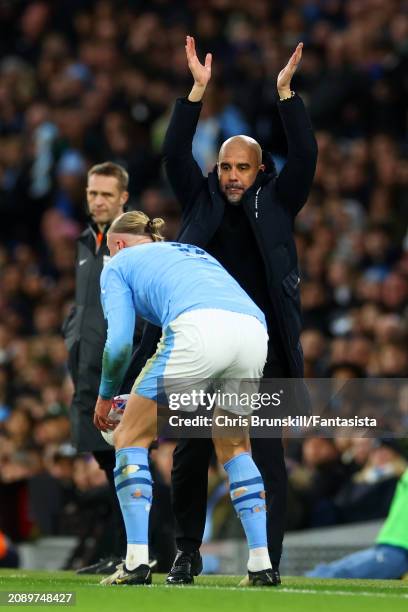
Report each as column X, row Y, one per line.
column 285, row 75
column 201, row 73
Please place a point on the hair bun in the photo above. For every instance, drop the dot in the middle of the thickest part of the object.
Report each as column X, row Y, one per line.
column 157, row 224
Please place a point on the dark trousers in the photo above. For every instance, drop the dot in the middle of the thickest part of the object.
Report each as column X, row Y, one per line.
column 190, row 484
column 106, row 461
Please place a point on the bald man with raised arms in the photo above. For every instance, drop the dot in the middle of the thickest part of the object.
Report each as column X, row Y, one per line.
column 242, row 214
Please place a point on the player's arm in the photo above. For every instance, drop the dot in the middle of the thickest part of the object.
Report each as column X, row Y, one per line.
column 182, row 170
column 295, row 179
column 120, row 314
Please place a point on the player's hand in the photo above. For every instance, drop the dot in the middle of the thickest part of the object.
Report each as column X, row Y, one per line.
column 285, row 75
column 201, row 73
column 102, row 409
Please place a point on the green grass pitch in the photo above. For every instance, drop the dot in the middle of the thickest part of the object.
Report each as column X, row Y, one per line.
column 213, row 594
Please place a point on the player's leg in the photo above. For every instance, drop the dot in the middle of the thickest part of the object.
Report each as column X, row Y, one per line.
column 133, row 482
column 138, row 426
column 248, row 497
column 132, row 438
column 232, row 444
column 269, row 457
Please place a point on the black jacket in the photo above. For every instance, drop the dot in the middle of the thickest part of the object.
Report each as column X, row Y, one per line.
column 84, row 333
column 271, row 205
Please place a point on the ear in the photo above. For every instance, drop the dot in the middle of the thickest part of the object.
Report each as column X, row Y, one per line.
column 124, row 197
column 120, row 244
column 262, row 168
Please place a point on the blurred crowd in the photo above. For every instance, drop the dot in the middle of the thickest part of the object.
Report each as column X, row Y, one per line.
column 85, row 81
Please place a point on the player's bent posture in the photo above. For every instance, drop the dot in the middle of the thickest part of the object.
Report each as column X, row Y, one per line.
column 211, row 329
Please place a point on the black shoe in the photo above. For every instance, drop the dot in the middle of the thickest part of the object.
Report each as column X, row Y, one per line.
column 185, row 567
column 104, row 566
column 264, row 578
column 276, row 576
column 140, row 575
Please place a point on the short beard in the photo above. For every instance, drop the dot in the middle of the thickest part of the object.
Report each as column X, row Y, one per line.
column 233, row 199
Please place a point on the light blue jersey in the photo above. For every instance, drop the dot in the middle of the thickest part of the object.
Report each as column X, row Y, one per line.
column 159, row 281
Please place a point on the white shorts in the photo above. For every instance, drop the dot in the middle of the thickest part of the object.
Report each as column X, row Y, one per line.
column 203, row 346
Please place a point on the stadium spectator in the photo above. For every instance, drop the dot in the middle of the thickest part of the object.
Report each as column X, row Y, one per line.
column 317, row 479
column 368, row 494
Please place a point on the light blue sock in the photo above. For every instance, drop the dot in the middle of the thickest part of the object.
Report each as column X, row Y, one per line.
column 248, row 496
column 133, row 483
